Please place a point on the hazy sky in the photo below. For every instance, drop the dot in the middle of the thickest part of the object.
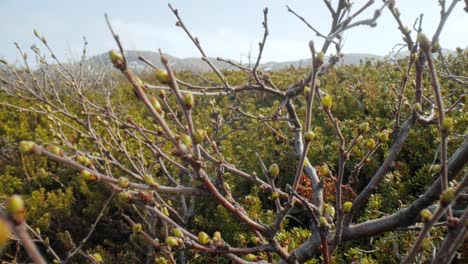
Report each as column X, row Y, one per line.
column 225, row 28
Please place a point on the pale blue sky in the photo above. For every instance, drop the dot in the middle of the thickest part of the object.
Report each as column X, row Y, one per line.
column 225, row 28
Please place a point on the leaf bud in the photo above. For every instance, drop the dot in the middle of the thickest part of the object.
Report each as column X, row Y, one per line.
column 199, row 135
column 125, row 196
column 273, row 170
column 347, row 206
column 319, row 59
column 327, row 101
column 156, row 105
column 275, row 195
column 426, row 215
column 26, row 147
column 329, row 210
column 188, row 100
column 172, row 241
column 436, row 168
column 383, row 136
column 250, row 257
column 203, row 238
column 123, row 182
column 417, row 107
column 324, row 170
column 15, row 208
column 162, row 76
column 370, row 143
column 178, row 232
column 424, row 42
column 83, row 160
column 448, row 196
column 309, row 136
column 323, row 222
column 447, row 125
column 87, row 175
column 165, row 211
column 149, row 180
column 363, row 127
column 137, row 228
column 117, row 59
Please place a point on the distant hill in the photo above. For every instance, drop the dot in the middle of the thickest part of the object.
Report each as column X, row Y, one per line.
column 197, row 64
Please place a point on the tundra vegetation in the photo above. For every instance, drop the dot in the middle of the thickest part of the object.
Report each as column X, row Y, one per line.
column 323, row 164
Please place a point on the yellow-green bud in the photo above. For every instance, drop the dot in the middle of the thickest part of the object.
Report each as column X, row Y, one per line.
column 347, row 206
column 165, row 211
column 149, row 180
column 199, row 135
column 87, row 175
column 188, row 100
column 116, row 59
column 156, row 105
column 250, row 257
column 370, row 143
column 309, row 136
column 275, row 195
column 383, row 136
column 162, row 76
column 324, row 170
column 15, row 207
column 26, row 147
column 55, row 150
column 98, row 258
column 329, row 210
column 123, row 182
column 424, row 42
column 186, row 140
column 203, row 238
column 426, row 215
column 83, row 160
column 273, row 171
column 137, row 228
column 217, row 236
column 327, row 101
column 417, row 107
column 447, row 125
column 448, row 196
column 436, row 168
column 391, row 4
column 177, row 232
column 172, row 241
column 125, row 196
column 255, row 240
column 364, row 127
column 323, row 222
